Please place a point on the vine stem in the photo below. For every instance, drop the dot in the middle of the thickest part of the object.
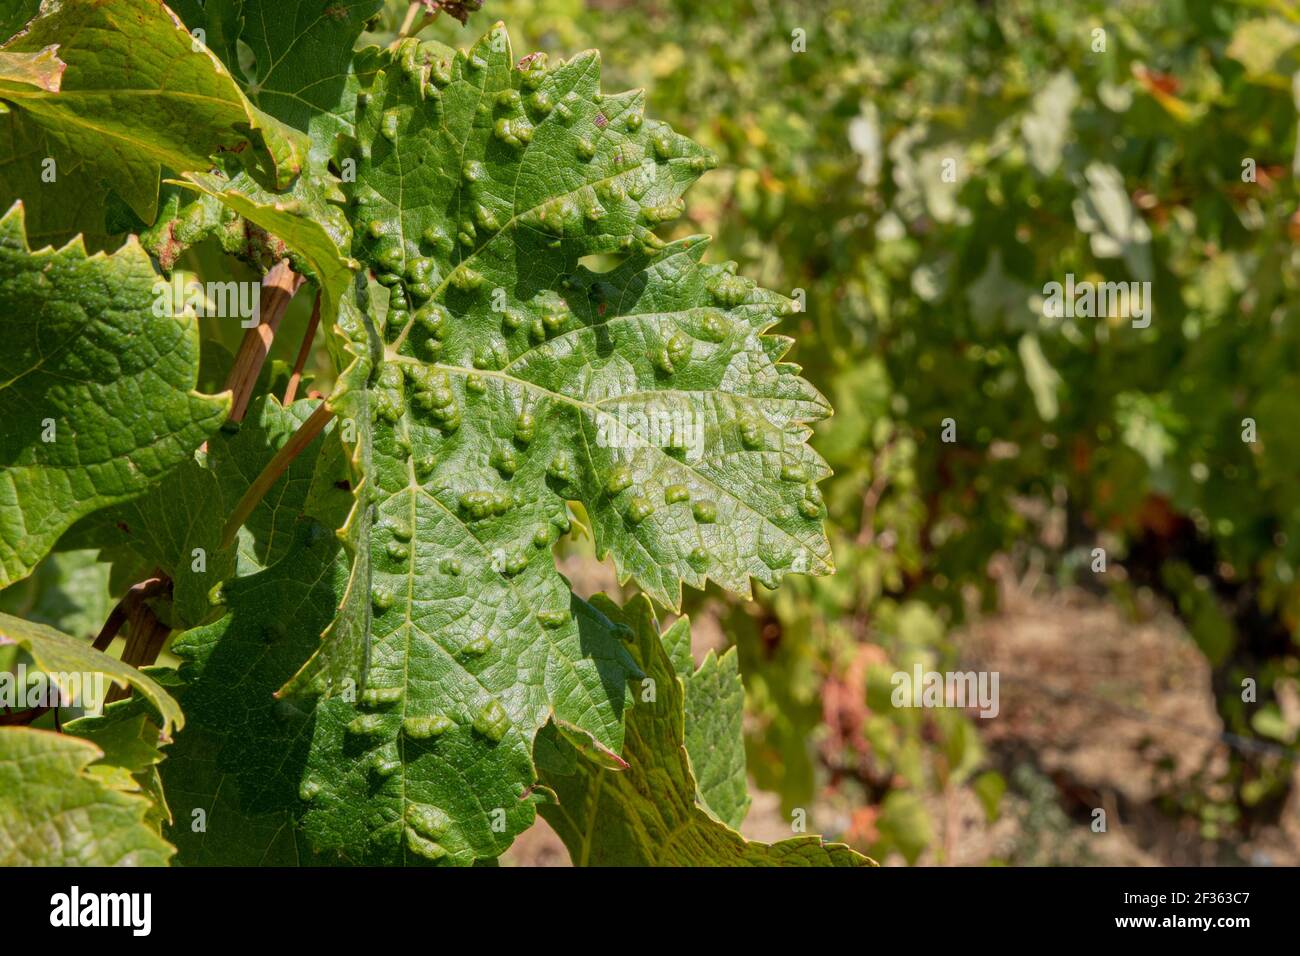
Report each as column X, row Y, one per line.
column 307, row 431
column 291, row 389
column 279, row 286
column 412, row 9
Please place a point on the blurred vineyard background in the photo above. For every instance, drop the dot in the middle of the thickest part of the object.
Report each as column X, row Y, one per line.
column 1121, row 690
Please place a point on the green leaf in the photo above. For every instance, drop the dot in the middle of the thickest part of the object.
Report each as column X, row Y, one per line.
column 97, row 392
column 42, row 69
column 304, row 74
column 649, row 814
column 14, row 15
column 315, row 233
column 74, row 205
column 649, row 393
column 241, row 759
column 56, row 812
column 501, row 382
column 57, row 655
column 138, row 94
column 177, row 525
column 715, row 710
column 69, row 591
column 129, row 739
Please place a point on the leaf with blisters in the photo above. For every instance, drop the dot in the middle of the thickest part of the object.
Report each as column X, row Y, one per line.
column 649, row 814
column 650, row 393
column 96, row 391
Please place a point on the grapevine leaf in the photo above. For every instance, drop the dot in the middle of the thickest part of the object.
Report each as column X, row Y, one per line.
column 55, row 812
column 182, row 517
column 202, row 787
column 129, row 739
column 138, row 94
column 69, row 591
column 304, row 76
column 42, row 69
column 649, row 393
column 97, row 392
column 715, row 704
column 315, row 235
column 59, row 657
column 72, row 205
column 649, row 814
column 256, row 746
column 14, row 15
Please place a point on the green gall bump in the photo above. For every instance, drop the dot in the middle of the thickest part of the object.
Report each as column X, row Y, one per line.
column 663, row 361
column 506, row 461
column 562, row 467
column 386, row 766
column 676, row 493
column 541, row 102
column 421, row 728
column 679, row 348
column 428, row 820
column 713, row 328
column 706, row 512
column 421, row 847
column 419, row 269
column 436, row 237
column 525, row 427
column 751, row 435
column 810, row 509
column 367, row 725
column 699, row 558
column 541, row 536
column 794, row 471
column 381, row 597
column 450, row 566
column 478, row 646
column 619, row 480
column 552, row 619
column 398, row 552
column 514, row 132
column 491, row 721
column 378, row 696
column 466, row 279
column 476, row 384
column 586, row 149
column 308, row 790
column 662, row 142
column 639, row 509
column 508, row 99
column 390, row 123
column 472, row 171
